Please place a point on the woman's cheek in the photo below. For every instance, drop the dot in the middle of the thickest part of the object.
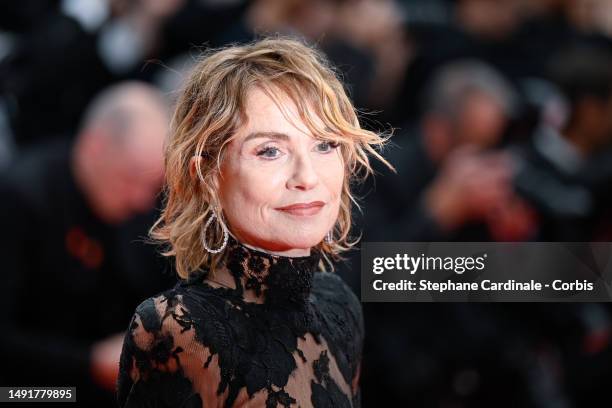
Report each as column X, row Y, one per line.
column 336, row 182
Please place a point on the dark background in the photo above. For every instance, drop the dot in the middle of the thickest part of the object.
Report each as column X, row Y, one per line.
column 501, row 112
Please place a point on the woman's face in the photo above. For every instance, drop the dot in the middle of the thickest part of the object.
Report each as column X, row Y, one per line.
column 280, row 187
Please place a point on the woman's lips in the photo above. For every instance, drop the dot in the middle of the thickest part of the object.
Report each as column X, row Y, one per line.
column 303, row 209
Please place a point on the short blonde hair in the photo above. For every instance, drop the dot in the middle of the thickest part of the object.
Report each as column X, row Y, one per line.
column 210, row 109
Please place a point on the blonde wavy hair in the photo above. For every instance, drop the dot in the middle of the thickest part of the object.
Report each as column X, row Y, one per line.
column 211, row 107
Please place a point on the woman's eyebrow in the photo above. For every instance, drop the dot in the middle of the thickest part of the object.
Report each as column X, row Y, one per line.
column 267, row 135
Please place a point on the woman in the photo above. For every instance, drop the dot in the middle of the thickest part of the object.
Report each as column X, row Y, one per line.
column 264, row 146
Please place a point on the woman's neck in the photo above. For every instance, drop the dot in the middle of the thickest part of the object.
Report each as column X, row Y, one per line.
column 264, row 277
column 290, row 253
column 277, row 250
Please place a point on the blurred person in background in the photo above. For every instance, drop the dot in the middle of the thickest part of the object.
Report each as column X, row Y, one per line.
column 517, row 37
column 451, row 184
column 57, row 54
column 71, row 216
column 560, row 169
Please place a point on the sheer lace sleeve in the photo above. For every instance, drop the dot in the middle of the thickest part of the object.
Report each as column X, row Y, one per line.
column 161, row 365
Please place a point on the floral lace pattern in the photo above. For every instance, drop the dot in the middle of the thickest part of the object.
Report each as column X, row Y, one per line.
column 203, row 345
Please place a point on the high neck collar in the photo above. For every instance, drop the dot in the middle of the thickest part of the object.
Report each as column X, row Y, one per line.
column 275, row 279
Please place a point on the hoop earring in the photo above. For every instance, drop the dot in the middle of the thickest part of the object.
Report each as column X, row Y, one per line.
column 328, row 237
column 203, row 235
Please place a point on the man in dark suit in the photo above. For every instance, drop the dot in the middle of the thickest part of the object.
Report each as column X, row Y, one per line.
column 74, row 264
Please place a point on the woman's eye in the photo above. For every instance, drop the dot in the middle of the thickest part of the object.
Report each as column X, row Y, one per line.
column 326, row 146
column 268, row 152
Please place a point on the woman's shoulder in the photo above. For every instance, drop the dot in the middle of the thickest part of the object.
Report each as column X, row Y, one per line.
column 331, row 293
column 341, row 320
column 330, row 285
column 159, row 348
column 151, row 314
column 184, row 299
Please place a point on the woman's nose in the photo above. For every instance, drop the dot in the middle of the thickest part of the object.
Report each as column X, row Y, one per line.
column 304, row 175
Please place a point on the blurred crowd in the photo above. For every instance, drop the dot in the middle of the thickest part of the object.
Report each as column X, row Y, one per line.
column 501, row 115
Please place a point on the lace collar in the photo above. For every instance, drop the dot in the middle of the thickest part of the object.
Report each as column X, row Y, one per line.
column 278, row 280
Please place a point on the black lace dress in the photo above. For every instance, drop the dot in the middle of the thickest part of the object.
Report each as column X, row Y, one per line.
column 296, row 342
